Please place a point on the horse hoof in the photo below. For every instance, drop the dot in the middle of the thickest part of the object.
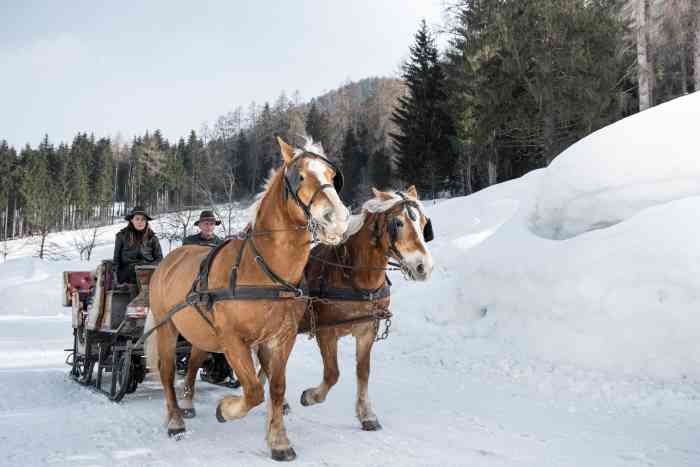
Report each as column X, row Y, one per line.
column 219, row 416
column 286, row 409
column 176, row 433
column 285, row 455
column 188, row 413
column 306, row 398
column 371, row 425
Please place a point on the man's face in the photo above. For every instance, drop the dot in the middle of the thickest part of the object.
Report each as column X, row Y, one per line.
column 207, row 228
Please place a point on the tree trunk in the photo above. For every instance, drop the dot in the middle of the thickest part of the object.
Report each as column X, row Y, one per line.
column 685, row 78
column 644, row 66
column 468, row 188
column 696, row 52
column 42, row 244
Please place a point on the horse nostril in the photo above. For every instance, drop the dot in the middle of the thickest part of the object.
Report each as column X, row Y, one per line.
column 421, row 269
column 328, row 216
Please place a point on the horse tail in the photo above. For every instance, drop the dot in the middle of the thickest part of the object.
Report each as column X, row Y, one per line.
column 151, row 344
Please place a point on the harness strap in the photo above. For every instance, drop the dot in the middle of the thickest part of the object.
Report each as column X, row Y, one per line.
column 234, row 269
column 269, row 272
column 254, row 293
column 205, row 265
column 348, row 294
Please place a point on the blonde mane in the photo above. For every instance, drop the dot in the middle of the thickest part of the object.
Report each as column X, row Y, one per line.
column 253, row 209
column 374, row 206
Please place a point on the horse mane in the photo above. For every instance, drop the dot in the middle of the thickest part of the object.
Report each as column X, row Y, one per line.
column 253, row 210
column 373, row 206
column 310, row 146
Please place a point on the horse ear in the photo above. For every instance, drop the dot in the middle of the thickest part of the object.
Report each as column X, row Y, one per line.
column 287, row 151
column 412, row 192
column 381, row 195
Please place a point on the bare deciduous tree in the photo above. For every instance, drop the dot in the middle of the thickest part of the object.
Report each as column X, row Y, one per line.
column 175, row 226
column 85, row 241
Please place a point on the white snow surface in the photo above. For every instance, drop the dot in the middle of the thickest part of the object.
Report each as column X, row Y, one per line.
column 560, row 328
column 641, row 161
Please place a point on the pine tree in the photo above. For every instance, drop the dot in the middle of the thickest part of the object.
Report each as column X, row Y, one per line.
column 78, row 178
column 354, row 164
column 267, row 146
column 527, row 79
column 8, row 163
column 245, row 173
column 379, row 169
column 424, row 143
column 317, row 125
column 40, row 194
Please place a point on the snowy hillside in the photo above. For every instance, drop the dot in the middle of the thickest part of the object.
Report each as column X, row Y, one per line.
column 560, row 328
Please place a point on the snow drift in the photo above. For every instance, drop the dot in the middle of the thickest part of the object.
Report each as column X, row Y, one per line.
column 619, row 288
column 649, row 158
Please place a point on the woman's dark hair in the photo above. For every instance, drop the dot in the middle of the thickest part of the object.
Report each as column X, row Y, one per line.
column 138, row 237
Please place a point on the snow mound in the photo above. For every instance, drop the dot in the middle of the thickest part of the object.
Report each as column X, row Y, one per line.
column 649, row 158
column 621, row 300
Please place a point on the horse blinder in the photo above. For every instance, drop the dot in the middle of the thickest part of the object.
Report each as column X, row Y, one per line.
column 428, row 234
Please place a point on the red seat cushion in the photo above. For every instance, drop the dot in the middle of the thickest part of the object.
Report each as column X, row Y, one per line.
column 80, row 281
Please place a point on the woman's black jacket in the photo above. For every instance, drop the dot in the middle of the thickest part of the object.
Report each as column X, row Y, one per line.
column 129, row 254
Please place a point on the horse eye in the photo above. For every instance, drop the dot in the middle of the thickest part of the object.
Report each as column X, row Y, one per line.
column 399, row 223
column 301, row 178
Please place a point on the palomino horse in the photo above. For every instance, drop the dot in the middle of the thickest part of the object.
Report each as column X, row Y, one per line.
column 351, row 281
column 251, row 295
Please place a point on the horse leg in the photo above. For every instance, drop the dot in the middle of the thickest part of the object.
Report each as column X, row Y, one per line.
column 239, row 356
column 264, row 359
column 328, row 344
column 364, row 342
column 167, row 340
column 197, row 357
column 275, row 356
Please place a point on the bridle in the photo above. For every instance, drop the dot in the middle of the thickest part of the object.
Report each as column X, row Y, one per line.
column 393, row 223
column 292, row 185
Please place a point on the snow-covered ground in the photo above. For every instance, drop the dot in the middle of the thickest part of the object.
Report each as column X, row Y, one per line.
column 560, row 328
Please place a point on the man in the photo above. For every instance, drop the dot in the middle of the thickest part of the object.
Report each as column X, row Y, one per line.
column 206, row 223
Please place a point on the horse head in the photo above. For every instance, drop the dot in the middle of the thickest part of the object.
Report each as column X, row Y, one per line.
column 311, row 187
column 406, row 231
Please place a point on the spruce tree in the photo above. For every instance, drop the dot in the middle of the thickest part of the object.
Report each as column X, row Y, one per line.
column 8, row 162
column 424, row 142
column 527, row 79
column 40, row 194
column 317, row 125
column 379, row 169
column 354, row 164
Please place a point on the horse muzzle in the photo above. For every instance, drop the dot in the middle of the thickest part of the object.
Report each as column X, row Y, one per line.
column 332, row 226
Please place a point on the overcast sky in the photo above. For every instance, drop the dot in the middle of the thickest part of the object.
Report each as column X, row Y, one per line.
column 69, row 66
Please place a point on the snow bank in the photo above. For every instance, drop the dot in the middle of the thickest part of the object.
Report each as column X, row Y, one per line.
column 625, row 298
column 643, row 160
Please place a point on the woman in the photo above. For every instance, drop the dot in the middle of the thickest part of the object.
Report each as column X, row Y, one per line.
column 135, row 244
